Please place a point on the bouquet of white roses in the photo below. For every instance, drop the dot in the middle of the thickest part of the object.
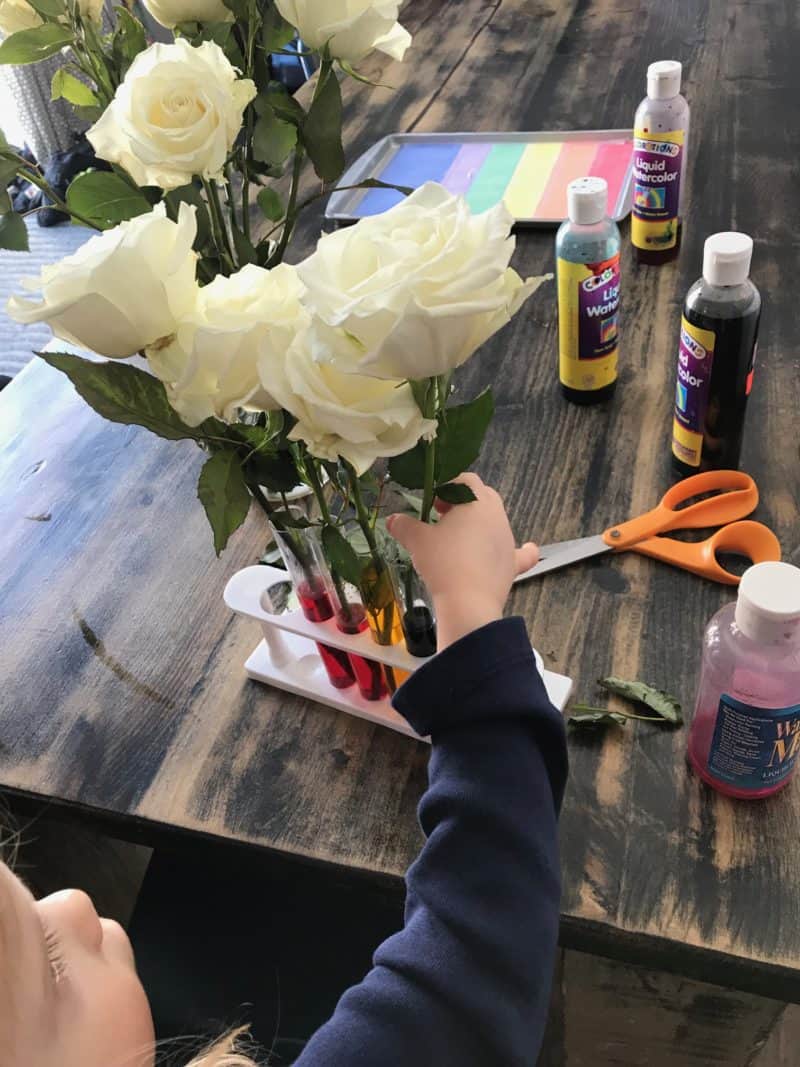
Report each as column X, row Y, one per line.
column 281, row 373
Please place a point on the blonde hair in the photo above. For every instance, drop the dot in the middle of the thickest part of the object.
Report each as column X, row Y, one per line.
column 227, row 1052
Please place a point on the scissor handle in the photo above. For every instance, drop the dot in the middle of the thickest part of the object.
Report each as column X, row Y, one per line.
column 737, row 497
column 752, row 540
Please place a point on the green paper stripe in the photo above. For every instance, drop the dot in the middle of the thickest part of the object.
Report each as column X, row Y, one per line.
column 492, row 179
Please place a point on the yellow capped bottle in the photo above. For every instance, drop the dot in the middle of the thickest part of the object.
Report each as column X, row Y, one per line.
column 587, row 261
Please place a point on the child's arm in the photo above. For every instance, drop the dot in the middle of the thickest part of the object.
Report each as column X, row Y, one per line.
column 467, row 981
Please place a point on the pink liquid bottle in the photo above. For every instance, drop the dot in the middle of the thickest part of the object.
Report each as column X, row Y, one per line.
column 745, row 736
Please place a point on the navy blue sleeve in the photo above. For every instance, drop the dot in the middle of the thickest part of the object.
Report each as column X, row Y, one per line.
column 467, row 981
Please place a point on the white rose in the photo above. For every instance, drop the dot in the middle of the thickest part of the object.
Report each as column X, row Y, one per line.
column 122, row 290
column 16, row 15
column 344, row 415
column 414, row 292
column 92, row 9
column 176, row 114
column 351, row 28
column 170, row 12
column 211, row 368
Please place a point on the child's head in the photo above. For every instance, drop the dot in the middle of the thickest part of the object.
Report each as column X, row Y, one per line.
column 69, row 993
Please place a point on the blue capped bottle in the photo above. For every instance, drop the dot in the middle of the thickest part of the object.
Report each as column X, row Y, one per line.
column 587, row 261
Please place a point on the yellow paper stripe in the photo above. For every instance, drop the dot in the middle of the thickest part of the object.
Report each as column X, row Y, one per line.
column 530, row 178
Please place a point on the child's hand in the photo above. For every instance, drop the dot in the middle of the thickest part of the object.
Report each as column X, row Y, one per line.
column 467, row 560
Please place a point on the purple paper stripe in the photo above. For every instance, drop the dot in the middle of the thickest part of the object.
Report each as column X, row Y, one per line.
column 465, row 166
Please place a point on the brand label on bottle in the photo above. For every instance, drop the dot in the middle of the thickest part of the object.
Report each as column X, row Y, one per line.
column 695, row 361
column 657, row 162
column 588, row 323
column 753, row 748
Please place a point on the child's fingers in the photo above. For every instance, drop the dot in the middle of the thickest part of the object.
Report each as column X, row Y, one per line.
column 441, row 506
column 411, row 533
column 527, row 557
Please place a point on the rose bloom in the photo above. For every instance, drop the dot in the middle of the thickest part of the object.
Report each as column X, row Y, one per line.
column 414, row 292
column 170, row 12
column 16, row 15
column 211, row 366
column 345, row 416
column 176, row 115
column 123, row 289
column 350, row 28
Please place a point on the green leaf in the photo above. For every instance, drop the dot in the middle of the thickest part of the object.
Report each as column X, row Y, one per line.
column 408, row 469
column 7, row 153
column 273, row 139
column 8, row 172
column 31, row 46
column 455, row 493
column 88, row 114
column 668, row 707
column 458, row 441
column 406, row 190
column 594, row 717
column 275, row 30
column 270, row 204
column 460, row 436
column 121, row 393
column 245, row 252
column 240, row 8
column 128, row 40
column 105, row 199
column 13, row 232
column 276, row 97
column 223, row 493
column 322, row 130
column 52, row 9
column 341, row 555
column 67, row 86
column 275, row 471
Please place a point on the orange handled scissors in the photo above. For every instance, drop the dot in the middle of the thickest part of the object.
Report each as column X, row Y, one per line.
column 736, row 497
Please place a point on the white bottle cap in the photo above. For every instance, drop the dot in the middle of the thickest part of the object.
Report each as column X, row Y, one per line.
column 768, row 608
column 664, row 79
column 726, row 258
column 587, row 200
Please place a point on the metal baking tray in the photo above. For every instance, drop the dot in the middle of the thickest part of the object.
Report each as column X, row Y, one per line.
column 344, row 207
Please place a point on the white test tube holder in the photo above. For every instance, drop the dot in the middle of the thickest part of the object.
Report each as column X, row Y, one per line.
column 287, row 657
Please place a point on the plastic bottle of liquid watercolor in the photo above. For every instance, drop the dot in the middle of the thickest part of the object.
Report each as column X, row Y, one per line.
column 716, row 358
column 587, row 259
column 660, row 142
column 745, row 736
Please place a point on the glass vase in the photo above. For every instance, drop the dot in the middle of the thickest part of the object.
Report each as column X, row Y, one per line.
column 417, row 617
column 302, row 554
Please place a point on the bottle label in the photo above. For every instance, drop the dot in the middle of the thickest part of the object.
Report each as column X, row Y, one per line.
column 753, row 748
column 695, row 361
column 657, row 162
column 588, row 323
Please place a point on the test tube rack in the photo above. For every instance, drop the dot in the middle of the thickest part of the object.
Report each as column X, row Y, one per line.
column 287, row 658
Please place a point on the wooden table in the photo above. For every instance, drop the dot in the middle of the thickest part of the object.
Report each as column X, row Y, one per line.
column 122, row 685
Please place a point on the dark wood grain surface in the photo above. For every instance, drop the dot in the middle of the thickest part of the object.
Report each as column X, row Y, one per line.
column 122, row 685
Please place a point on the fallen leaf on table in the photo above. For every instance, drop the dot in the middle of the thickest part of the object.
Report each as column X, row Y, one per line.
column 668, row 707
column 584, row 716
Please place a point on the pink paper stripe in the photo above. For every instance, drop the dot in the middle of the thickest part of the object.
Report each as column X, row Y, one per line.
column 611, row 162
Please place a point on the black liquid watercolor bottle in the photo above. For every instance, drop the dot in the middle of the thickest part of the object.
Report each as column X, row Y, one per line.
column 716, row 360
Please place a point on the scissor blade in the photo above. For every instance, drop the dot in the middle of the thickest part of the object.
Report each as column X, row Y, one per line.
column 563, row 553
